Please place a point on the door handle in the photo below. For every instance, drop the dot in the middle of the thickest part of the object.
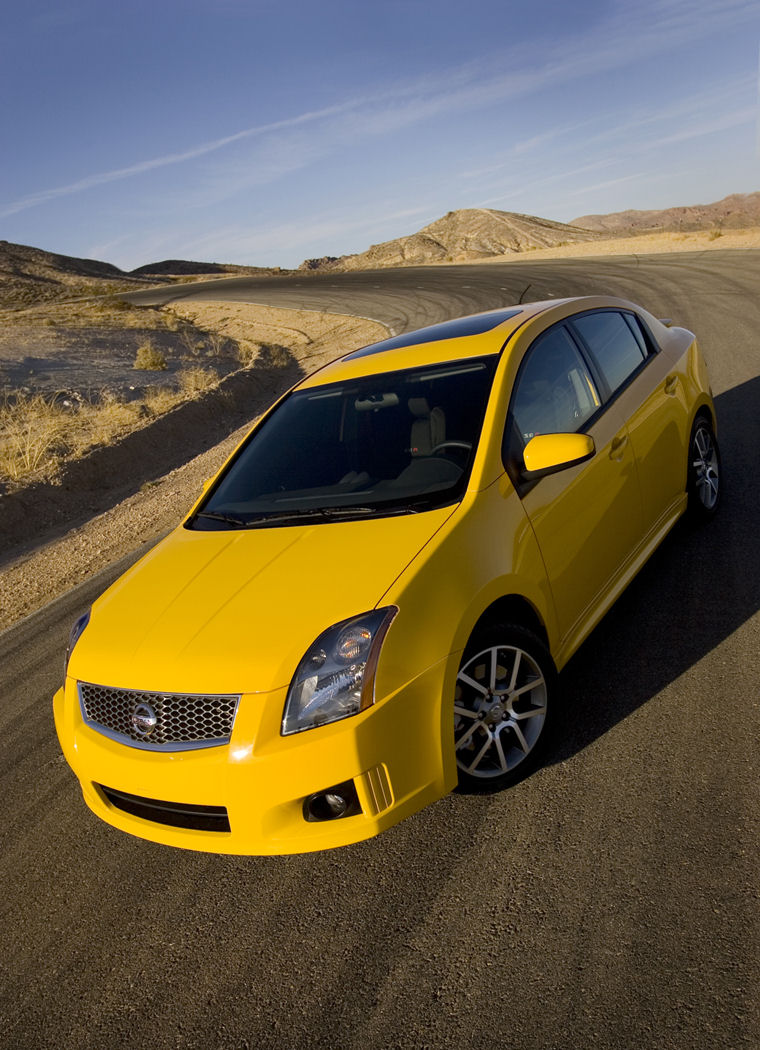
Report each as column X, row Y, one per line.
column 670, row 384
column 617, row 448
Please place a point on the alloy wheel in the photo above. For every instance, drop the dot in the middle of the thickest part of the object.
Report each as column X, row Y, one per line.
column 500, row 707
column 705, row 465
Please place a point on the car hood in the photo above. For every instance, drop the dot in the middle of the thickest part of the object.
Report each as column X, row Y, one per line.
column 235, row 611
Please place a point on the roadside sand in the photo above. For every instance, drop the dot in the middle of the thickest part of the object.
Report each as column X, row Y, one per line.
column 313, row 338
column 36, row 579
column 646, row 244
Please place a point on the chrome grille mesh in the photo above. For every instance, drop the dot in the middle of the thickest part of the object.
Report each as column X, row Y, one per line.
column 180, row 721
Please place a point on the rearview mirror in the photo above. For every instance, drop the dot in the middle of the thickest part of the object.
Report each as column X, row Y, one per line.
column 549, row 453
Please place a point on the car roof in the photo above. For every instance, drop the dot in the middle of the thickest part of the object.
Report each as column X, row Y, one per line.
column 477, row 335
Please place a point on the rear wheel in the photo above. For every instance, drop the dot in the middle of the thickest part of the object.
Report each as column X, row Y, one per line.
column 704, row 472
column 505, row 696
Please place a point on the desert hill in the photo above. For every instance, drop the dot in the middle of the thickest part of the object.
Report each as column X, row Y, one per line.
column 30, row 276
column 187, row 268
column 22, row 261
column 470, row 233
column 737, row 211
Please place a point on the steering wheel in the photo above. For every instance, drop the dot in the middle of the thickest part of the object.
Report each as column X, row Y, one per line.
column 466, row 445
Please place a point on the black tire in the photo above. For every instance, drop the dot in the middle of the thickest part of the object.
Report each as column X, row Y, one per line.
column 500, row 737
column 704, row 480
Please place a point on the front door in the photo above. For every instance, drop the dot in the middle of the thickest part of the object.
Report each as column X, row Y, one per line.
column 586, row 518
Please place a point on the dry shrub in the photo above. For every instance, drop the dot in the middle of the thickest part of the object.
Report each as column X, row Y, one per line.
column 275, row 356
column 149, row 358
column 37, row 432
column 106, row 304
column 247, row 352
column 33, row 431
column 189, row 336
column 218, row 344
column 194, row 381
column 159, row 399
column 99, row 422
column 264, row 355
column 714, row 235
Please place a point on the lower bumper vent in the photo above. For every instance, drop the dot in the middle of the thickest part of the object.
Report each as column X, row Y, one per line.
column 175, row 814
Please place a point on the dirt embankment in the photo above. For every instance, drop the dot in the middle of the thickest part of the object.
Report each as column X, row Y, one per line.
column 54, row 534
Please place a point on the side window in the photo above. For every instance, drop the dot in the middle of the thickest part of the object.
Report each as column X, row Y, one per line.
column 554, row 393
column 613, row 345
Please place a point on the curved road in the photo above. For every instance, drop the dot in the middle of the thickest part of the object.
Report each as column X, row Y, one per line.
column 608, row 901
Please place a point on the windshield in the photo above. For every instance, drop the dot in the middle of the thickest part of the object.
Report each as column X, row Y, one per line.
column 397, row 442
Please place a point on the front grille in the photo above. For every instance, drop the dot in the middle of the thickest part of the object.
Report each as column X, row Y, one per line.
column 158, row 721
column 175, row 814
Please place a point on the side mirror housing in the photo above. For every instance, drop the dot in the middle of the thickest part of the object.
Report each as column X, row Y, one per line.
column 550, row 453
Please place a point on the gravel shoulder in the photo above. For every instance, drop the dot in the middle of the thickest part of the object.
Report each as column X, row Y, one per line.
column 48, row 569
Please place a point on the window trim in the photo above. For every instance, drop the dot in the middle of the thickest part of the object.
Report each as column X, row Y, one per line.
column 515, row 471
column 489, row 362
column 610, row 395
column 607, row 397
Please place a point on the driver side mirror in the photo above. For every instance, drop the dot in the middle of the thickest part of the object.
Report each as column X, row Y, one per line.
column 549, row 453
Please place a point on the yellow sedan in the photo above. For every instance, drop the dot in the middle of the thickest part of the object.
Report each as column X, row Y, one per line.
column 371, row 601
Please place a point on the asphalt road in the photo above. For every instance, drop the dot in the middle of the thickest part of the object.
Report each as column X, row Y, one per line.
column 609, row 901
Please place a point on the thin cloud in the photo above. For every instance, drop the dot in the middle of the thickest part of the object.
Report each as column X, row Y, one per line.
column 619, row 41
column 101, row 178
column 337, row 233
column 558, row 176
column 606, row 184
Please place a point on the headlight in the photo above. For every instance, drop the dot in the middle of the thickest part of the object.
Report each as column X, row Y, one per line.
column 336, row 677
column 74, row 636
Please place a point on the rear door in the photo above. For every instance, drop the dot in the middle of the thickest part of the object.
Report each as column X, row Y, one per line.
column 649, row 396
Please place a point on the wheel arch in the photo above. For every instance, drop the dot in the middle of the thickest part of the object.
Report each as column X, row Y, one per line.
column 511, row 608
column 707, row 412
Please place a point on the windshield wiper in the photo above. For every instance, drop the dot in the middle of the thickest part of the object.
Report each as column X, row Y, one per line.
column 320, row 513
column 228, row 518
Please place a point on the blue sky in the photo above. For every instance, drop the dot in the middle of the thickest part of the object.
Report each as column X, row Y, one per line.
column 268, row 131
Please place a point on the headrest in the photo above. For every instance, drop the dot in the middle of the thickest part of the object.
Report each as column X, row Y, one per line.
column 419, row 407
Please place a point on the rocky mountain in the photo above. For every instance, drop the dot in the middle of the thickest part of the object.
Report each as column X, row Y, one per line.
column 737, row 211
column 470, row 233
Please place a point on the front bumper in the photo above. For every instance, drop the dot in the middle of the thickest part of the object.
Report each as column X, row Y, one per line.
column 394, row 753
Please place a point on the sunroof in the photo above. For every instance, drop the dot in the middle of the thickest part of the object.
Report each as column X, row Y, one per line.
column 476, row 324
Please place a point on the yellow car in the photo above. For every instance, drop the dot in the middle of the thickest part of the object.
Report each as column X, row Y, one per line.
column 372, row 599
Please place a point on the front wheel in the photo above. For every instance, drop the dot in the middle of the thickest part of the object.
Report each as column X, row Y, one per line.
column 704, row 473
column 505, row 697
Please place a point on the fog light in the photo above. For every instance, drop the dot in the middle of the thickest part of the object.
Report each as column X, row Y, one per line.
column 332, row 803
column 336, row 804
